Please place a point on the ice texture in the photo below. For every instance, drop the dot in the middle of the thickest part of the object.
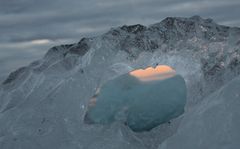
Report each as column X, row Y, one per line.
column 42, row 106
column 140, row 105
column 214, row 123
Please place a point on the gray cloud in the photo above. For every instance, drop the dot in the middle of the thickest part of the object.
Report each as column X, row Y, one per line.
column 22, row 21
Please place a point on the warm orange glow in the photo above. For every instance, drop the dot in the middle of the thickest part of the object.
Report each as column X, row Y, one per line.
column 158, row 73
column 93, row 100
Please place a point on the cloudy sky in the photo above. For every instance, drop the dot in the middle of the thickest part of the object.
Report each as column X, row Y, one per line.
column 28, row 28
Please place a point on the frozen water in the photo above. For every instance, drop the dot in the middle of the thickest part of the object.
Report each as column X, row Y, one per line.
column 43, row 105
column 214, row 123
column 142, row 105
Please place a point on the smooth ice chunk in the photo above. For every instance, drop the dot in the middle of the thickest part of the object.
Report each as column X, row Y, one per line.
column 142, row 99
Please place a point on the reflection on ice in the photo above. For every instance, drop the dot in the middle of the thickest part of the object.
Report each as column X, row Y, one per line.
column 142, row 99
column 159, row 73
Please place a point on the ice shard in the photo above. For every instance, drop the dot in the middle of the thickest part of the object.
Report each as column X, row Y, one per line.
column 142, row 99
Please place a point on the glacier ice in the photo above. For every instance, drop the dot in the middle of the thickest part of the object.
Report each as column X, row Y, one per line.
column 214, row 123
column 43, row 105
column 140, row 104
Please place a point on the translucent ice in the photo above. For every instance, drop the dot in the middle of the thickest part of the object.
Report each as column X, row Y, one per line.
column 43, row 105
column 214, row 124
column 141, row 99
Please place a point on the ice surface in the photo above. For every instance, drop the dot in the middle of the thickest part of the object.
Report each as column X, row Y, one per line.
column 142, row 105
column 214, row 123
column 43, row 106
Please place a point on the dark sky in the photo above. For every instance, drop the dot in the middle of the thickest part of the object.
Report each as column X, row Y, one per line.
column 30, row 27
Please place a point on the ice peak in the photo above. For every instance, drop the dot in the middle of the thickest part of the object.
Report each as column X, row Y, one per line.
column 134, row 39
column 81, row 47
column 134, row 28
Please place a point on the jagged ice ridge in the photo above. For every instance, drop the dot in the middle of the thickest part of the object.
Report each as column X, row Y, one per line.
column 42, row 105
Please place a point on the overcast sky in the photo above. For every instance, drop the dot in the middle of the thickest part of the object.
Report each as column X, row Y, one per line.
column 28, row 28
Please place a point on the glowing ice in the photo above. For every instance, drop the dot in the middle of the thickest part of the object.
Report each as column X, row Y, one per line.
column 142, row 99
